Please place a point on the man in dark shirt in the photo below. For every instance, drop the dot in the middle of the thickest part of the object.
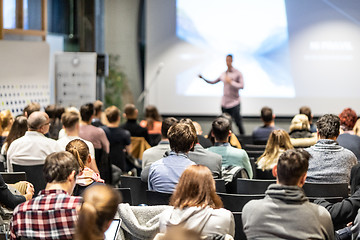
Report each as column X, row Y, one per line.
column 261, row 134
column 119, row 138
column 131, row 114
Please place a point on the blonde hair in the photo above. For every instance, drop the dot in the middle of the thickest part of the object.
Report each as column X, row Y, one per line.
column 356, row 128
column 99, row 207
column 5, row 120
column 278, row 140
column 300, row 122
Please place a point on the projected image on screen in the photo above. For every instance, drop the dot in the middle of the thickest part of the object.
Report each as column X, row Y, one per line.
column 254, row 31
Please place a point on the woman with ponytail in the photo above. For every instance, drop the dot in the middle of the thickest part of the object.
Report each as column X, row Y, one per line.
column 87, row 176
column 97, row 212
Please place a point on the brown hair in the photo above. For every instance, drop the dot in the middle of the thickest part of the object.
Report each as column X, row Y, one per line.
column 152, row 115
column 17, row 130
column 307, row 111
column 196, row 188
column 99, row 207
column 98, row 106
column 69, row 119
column 80, row 150
column 129, row 110
column 300, row 122
column 356, row 128
column 112, row 114
column 30, row 108
column 266, row 114
column 292, row 165
column 181, row 137
column 278, row 139
column 59, row 165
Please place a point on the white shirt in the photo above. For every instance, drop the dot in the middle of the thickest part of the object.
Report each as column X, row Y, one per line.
column 31, row 149
column 66, row 139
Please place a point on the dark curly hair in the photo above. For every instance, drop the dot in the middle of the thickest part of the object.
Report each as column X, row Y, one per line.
column 328, row 126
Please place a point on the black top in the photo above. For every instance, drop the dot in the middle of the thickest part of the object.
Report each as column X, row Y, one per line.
column 135, row 129
column 7, row 198
column 96, row 122
column 118, row 138
column 204, row 142
column 351, row 142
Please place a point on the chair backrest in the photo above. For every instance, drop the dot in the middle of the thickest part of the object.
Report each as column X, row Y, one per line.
column 126, row 195
column 265, row 175
column 138, row 146
column 13, row 177
column 236, row 202
column 231, row 187
column 220, row 185
column 34, row 175
column 137, row 187
column 253, row 166
column 254, row 147
column 326, row 189
column 329, row 199
column 246, row 139
column 239, row 229
column 103, row 163
column 254, row 154
column 253, row 186
column 157, row 198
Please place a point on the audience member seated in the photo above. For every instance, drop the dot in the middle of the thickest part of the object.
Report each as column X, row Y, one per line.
column 97, row 212
column 71, row 123
column 300, row 135
column 119, row 138
column 131, row 114
column 52, row 214
column 30, row 108
column 285, row 212
column 261, row 134
column 157, row 152
column 199, row 155
column 96, row 120
column 153, row 120
column 233, row 140
column 347, row 137
column 230, row 156
column 307, row 111
column 32, row 148
column 87, row 176
column 98, row 138
column 164, row 174
column 196, row 206
column 91, row 133
column 54, row 112
column 277, row 144
column 18, row 129
column 204, row 142
column 329, row 161
column 6, row 121
column 345, row 211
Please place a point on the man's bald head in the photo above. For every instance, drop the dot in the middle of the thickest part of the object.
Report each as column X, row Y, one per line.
column 37, row 120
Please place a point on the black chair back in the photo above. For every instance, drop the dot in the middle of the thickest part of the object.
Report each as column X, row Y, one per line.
column 264, row 175
column 253, row 186
column 126, row 195
column 254, row 147
column 236, row 202
column 329, row 199
column 326, row 189
column 13, row 177
column 239, row 229
column 254, row 154
column 137, row 187
column 34, row 175
column 157, row 198
column 103, row 164
column 231, row 187
column 220, row 185
column 245, row 139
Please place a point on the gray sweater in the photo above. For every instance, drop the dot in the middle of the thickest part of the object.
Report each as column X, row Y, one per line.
column 286, row 213
column 330, row 162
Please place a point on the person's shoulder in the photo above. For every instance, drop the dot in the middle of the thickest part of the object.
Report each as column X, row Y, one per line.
column 319, row 211
column 256, row 205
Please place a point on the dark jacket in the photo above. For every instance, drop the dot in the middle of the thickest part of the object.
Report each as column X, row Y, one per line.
column 345, row 211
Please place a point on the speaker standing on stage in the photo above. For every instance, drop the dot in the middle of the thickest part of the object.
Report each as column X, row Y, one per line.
column 233, row 81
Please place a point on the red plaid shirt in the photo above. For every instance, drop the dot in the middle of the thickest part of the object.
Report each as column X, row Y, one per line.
column 51, row 215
